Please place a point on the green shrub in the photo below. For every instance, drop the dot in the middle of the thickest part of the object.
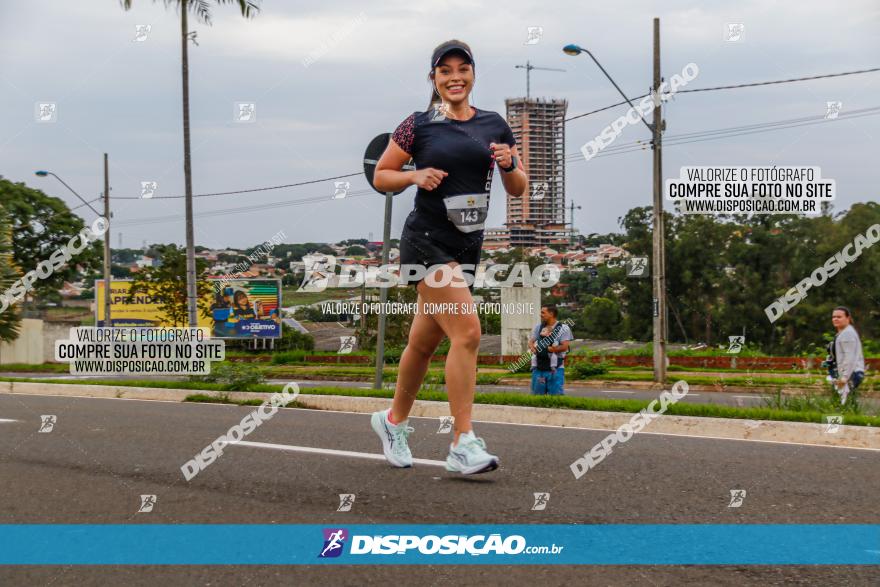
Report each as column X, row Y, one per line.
column 287, row 357
column 292, row 339
column 392, row 355
column 585, row 369
column 525, row 367
column 233, row 376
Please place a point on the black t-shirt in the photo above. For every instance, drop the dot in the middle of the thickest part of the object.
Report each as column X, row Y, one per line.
column 460, row 148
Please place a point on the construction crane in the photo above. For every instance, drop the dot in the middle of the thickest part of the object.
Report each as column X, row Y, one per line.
column 529, row 67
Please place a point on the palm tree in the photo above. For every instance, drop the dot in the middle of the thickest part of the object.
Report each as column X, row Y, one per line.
column 202, row 10
column 9, row 317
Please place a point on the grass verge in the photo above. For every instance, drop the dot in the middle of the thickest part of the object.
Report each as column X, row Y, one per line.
column 41, row 368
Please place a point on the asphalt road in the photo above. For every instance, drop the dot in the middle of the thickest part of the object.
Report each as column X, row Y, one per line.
column 104, row 453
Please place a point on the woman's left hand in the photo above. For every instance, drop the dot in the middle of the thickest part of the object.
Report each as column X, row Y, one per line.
column 502, row 154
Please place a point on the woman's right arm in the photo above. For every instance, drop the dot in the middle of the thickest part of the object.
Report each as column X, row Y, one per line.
column 389, row 177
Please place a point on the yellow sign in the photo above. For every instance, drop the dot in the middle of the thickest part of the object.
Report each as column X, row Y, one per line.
column 142, row 310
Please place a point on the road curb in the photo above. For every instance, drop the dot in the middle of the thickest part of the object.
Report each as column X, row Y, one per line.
column 724, row 428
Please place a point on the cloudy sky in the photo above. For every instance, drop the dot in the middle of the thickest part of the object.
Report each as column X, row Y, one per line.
column 368, row 68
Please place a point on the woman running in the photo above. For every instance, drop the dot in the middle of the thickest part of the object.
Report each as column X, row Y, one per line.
column 455, row 147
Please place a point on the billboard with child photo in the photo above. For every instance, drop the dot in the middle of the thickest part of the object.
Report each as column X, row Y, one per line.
column 246, row 308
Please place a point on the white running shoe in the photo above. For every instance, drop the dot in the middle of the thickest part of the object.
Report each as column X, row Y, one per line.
column 393, row 438
column 469, row 456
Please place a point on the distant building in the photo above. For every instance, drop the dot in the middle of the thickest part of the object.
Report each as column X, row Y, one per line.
column 210, row 256
column 539, row 128
column 496, row 238
column 145, row 261
column 605, row 255
column 69, row 290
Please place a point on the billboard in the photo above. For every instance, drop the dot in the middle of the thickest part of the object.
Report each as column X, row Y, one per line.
column 144, row 309
column 246, row 308
column 239, row 308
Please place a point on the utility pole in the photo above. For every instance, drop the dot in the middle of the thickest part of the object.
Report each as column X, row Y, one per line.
column 383, row 294
column 659, row 249
column 191, row 298
column 107, row 276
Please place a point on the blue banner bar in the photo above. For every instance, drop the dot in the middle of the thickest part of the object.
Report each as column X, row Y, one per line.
column 352, row 544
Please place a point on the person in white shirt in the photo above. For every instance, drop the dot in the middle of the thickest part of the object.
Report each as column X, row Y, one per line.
column 848, row 356
column 549, row 378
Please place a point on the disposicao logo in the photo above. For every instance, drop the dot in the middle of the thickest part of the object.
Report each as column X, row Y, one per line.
column 334, row 541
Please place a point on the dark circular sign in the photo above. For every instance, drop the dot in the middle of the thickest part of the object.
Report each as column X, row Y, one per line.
column 371, row 157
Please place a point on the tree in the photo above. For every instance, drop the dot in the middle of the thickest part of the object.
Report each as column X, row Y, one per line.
column 637, row 295
column 594, row 239
column 167, row 283
column 10, row 320
column 120, row 272
column 355, row 251
column 602, row 319
column 396, row 325
column 41, row 225
column 125, row 256
column 202, row 10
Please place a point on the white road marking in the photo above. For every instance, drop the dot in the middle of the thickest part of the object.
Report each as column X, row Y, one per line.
column 7, row 420
column 435, row 418
column 330, row 451
column 615, row 391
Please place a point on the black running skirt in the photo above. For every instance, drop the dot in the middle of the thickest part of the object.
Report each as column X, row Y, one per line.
column 418, row 248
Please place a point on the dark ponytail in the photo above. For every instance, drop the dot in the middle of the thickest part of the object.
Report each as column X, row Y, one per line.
column 435, row 97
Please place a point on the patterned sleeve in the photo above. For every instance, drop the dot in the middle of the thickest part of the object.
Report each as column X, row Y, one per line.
column 405, row 134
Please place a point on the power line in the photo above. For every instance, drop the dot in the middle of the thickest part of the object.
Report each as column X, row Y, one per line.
column 735, row 129
column 726, row 133
column 735, row 86
column 245, row 191
column 781, row 81
column 245, row 209
column 87, row 203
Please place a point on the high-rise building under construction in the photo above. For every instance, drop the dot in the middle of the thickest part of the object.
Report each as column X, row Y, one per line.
column 538, row 219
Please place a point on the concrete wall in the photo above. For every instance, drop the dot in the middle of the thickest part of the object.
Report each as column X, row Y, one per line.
column 53, row 331
column 36, row 342
column 516, row 326
column 28, row 347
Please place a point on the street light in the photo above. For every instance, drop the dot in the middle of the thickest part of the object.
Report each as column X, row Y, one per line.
column 107, row 275
column 659, row 253
column 44, row 173
column 577, row 50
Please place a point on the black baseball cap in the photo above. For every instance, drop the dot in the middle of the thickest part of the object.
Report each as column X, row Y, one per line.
column 448, row 47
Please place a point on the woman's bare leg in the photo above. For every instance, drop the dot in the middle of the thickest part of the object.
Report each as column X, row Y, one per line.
column 424, row 336
column 463, row 330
